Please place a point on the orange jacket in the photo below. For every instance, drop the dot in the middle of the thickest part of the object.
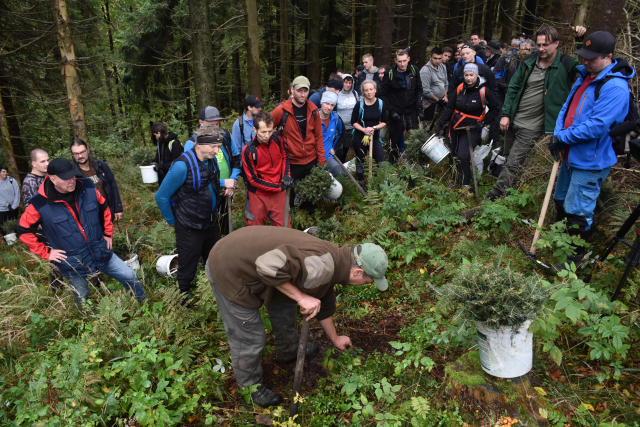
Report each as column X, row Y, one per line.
column 301, row 152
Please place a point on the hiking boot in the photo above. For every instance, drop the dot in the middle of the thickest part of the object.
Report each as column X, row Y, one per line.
column 492, row 196
column 265, row 397
column 312, row 349
column 576, row 259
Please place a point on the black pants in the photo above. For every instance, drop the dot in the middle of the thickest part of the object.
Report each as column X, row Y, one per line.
column 343, row 145
column 362, row 152
column 429, row 112
column 460, row 147
column 6, row 215
column 192, row 245
column 299, row 172
column 396, row 130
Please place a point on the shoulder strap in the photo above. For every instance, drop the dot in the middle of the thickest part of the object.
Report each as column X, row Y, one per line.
column 361, row 115
column 314, row 114
column 254, row 152
column 355, row 95
column 459, row 89
column 483, row 96
column 192, row 162
column 566, row 60
column 241, row 124
column 285, row 116
column 600, row 84
column 171, row 144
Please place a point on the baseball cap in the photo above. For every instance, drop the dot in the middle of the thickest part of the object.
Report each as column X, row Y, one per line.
column 596, row 44
column 360, row 67
column 374, row 262
column 62, row 168
column 210, row 113
column 253, row 101
column 300, row 82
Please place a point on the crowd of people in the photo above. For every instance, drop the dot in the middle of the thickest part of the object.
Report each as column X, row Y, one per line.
column 521, row 90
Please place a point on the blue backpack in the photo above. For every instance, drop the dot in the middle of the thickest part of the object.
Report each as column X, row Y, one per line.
column 361, row 115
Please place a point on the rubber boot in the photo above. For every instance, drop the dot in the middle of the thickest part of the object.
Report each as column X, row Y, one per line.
column 265, row 397
column 560, row 212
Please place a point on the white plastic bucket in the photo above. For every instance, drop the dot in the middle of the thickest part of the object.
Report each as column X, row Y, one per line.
column 498, row 159
column 435, row 149
column 163, row 266
column 149, row 176
column 335, row 190
column 10, row 238
column 503, row 354
column 311, row 230
column 132, row 261
column 351, row 165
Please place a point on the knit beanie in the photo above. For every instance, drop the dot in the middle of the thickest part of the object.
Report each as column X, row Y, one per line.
column 329, row 96
column 471, row 67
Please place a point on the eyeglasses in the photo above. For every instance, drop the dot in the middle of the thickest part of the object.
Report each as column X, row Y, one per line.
column 544, row 44
column 80, row 153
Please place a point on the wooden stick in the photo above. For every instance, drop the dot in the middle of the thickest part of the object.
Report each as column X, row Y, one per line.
column 287, row 198
column 297, row 379
column 370, row 158
column 229, row 202
column 344, row 168
column 545, row 205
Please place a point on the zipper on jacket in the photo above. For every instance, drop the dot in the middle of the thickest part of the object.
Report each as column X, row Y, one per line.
column 584, row 98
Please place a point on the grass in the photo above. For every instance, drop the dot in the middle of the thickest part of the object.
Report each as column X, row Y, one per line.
column 121, row 363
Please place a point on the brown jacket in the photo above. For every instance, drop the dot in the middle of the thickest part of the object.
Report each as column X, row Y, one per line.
column 301, row 152
column 249, row 263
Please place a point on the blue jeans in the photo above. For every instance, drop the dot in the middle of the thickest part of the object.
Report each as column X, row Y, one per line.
column 115, row 268
column 579, row 189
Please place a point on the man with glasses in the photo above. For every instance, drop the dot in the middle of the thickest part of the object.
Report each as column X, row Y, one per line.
column 536, row 93
column 99, row 173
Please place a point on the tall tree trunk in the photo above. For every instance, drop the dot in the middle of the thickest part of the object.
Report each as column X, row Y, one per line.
column 353, row 35
column 605, row 16
column 489, row 21
column 239, row 104
column 404, row 25
column 529, row 20
column 451, row 26
column 476, row 23
column 6, row 143
column 507, row 17
column 253, row 49
column 371, row 24
column 74, row 93
column 202, row 52
column 313, row 43
column 186, row 88
column 13, row 124
column 284, row 50
column 385, row 31
column 107, row 17
column 108, row 83
column 422, row 32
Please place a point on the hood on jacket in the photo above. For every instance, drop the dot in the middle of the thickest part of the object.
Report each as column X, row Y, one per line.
column 479, row 83
column 619, row 68
column 171, row 136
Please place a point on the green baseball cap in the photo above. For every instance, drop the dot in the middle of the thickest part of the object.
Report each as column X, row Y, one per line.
column 300, row 82
column 374, row 262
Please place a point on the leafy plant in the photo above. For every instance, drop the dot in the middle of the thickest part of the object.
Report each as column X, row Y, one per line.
column 558, row 240
column 314, row 186
column 10, row 226
column 142, row 155
column 495, row 294
column 413, row 145
column 330, row 229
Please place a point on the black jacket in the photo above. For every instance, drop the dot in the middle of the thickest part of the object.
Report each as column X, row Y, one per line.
column 193, row 199
column 480, row 51
column 167, row 152
column 362, row 77
column 491, row 62
column 109, row 182
column 469, row 102
column 483, row 71
column 401, row 100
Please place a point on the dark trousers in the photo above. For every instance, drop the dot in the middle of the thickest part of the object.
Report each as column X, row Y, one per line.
column 192, row 245
column 6, row 215
column 299, row 172
column 460, row 146
column 362, row 152
column 343, row 145
column 396, row 131
column 429, row 112
column 223, row 216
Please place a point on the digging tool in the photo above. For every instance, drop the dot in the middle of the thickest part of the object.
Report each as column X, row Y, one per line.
column 364, row 194
column 287, row 197
column 297, row 378
column 531, row 254
column 370, row 158
column 229, row 202
column 473, row 161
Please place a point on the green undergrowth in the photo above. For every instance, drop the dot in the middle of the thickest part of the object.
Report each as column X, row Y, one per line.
column 157, row 363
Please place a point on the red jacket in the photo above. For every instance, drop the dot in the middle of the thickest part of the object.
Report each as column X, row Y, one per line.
column 265, row 165
column 301, row 152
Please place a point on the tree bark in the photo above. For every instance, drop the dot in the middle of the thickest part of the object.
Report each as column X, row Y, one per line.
column 253, row 49
column 476, row 22
column 202, row 52
column 6, row 143
column 404, row 25
column 313, row 43
column 507, row 18
column 186, row 89
column 13, row 124
column 107, row 16
column 69, row 68
column 529, row 20
column 605, row 16
column 385, row 31
column 371, row 26
column 353, row 34
column 489, row 22
column 422, row 32
column 451, row 26
column 284, row 50
column 239, row 104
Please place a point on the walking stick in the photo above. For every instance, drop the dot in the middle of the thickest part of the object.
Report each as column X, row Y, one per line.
column 287, row 197
column 370, row 158
column 473, row 161
column 297, row 378
column 229, row 202
column 364, row 194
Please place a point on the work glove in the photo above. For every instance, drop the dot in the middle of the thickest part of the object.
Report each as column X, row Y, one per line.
column 395, row 116
column 441, row 103
column 287, row 182
column 421, row 115
column 477, row 127
column 437, row 130
column 556, row 148
column 155, row 168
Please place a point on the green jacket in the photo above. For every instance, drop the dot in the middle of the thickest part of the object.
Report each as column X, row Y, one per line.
column 558, row 81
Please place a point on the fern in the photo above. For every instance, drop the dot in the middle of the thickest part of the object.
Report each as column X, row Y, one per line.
column 421, row 406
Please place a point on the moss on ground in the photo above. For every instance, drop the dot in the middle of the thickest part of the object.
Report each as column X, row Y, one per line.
column 467, row 370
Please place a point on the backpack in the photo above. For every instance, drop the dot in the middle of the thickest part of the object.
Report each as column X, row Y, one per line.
column 361, row 113
column 480, row 118
column 285, row 116
column 621, row 143
column 253, row 150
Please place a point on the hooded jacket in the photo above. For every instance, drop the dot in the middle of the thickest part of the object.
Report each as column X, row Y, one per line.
column 9, row 194
column 365, row 75
column 588, row 137
column 558, row 79
column 169, row 149
column 265, row 165
column 331, row 134
column 466, row 100
column 108, row 180
column 399, row 99
column 483, row 71
column 301, row 152
column 81, row 238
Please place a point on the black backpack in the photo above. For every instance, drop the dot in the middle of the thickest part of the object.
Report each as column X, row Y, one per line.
column 621, row 143
column 253, row 150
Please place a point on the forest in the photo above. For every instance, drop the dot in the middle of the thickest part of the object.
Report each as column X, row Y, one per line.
column 107, row 70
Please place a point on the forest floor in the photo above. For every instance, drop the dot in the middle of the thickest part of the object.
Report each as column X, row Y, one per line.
column 157, row 363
